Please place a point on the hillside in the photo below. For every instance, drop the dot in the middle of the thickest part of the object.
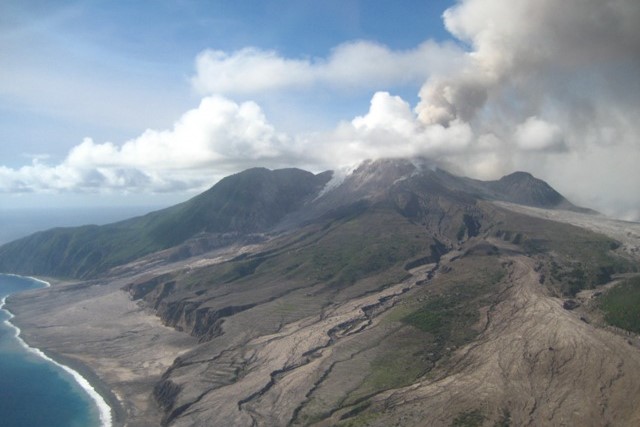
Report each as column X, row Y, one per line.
column 400, row 295
column 248, row 202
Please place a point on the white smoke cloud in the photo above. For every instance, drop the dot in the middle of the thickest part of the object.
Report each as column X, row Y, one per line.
column 537, row 135
column 535, row 51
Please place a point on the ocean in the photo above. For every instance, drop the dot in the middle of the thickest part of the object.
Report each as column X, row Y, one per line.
column 34, row 390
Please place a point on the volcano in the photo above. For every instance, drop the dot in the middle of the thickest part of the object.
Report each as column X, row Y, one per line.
column 399, row 294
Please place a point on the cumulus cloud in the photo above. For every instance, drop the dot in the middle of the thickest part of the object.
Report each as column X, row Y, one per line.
column 359, row 64
column 222, row 136
column 391, row 129
column 216, row 138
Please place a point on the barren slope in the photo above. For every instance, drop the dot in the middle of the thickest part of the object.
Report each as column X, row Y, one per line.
column 534, row 364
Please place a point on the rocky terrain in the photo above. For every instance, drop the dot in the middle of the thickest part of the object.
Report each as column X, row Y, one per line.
column 401, row 295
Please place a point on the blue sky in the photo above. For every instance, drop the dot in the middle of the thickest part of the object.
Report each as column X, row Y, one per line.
column 110, row 70
column 122, row 103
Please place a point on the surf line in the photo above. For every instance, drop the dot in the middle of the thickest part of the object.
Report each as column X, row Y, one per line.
column 104, row 410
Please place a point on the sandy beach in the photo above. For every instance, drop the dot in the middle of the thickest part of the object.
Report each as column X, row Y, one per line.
column 120, row 349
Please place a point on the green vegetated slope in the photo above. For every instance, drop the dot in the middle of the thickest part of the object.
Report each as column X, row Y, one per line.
column 359, row 245
column 421, row 331
column 621, row 305
column 523, row 188
column 250, row 201
column 345, row 255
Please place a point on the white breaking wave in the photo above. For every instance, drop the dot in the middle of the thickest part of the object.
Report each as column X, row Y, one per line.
column 104, row 409
column 35, row 279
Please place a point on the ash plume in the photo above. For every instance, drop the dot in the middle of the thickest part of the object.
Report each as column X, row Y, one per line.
column 550, row 87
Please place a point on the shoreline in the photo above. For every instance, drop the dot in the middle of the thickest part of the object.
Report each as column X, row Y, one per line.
column 117, row 412
column 110, row 411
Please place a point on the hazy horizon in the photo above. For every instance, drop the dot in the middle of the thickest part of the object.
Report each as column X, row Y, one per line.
column 24, row 221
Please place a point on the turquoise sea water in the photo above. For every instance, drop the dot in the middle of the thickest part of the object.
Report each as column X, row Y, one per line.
column 35, row 392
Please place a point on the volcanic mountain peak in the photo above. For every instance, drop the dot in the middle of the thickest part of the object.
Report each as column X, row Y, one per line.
column 251, row 201
column 372, row 178
column 518, row 176
column 523, row 188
